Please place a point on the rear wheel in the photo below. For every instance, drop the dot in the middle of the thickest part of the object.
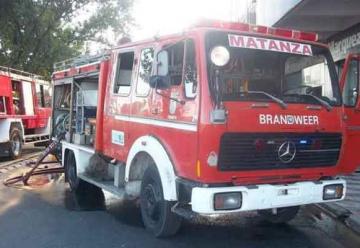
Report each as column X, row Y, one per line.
column 87, row 196
column 282, row 215
column 155, row 211
column 15, row 143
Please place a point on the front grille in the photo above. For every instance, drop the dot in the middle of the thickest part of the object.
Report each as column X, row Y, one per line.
column 255, row 151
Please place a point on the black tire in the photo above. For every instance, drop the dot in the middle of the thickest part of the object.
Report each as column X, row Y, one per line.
column 283, row 215
column 15, row 148
column 155, row 211
column 87, row 196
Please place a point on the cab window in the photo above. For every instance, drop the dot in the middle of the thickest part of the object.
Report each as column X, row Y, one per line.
column 190, row 70
column 145, row 68
column 351, row 87
column 124, row 71
column 43, row 95
column 176, row 59
column 2, row 105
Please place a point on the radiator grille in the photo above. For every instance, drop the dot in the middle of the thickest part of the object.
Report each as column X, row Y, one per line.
column 255, row 151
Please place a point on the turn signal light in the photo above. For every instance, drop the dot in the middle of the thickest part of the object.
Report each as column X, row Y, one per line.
column 333, row 191
column 259, row 145
column 316, row 144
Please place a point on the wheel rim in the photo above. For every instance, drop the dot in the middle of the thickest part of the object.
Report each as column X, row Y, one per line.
column 16, row 145
column 152, row 202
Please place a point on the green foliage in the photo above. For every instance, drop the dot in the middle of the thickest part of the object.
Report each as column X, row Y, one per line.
column 36, row 33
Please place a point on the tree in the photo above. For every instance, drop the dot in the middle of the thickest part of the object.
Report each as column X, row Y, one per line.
column 36, row 33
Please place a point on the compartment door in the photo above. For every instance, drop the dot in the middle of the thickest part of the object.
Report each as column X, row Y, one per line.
column 28, row 98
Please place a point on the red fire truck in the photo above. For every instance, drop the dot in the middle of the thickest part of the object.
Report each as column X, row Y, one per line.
column 222, row 118
column 25, row 109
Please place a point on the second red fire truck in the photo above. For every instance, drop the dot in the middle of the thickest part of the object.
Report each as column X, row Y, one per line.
column 25, row 110
column 225, row 117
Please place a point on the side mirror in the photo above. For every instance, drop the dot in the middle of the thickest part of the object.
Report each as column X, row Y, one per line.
column 162, row 63
column 159, row 82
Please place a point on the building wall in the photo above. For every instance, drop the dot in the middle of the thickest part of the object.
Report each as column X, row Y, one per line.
column 270, row 11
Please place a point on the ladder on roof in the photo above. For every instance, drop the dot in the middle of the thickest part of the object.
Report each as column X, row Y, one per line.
column 9, row 71
column 79, row 61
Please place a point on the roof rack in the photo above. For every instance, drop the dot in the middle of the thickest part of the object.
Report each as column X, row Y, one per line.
column 19, row 72
column 79, row 61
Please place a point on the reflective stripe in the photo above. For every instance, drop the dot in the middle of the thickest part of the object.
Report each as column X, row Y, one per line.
column 161, row 123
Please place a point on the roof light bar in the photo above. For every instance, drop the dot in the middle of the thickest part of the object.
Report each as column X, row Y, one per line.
column 259, row 29
column 305, row 35
column 283, row 32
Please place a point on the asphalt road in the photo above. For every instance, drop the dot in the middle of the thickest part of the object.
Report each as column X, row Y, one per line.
column 28, row 151
column 50, row 216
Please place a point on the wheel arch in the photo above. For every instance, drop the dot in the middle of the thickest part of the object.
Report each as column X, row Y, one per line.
column 150, row 146
column 5, row 127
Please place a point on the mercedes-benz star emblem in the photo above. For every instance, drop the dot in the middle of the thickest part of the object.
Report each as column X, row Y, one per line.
column 287, row 152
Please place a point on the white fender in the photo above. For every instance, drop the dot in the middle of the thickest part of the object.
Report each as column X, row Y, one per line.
column 163, row 163
column 5, row 128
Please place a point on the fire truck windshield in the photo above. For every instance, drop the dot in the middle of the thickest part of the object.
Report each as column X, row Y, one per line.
column 288, row 71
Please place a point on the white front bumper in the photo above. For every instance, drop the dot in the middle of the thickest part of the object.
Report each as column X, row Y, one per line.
column 264, row 196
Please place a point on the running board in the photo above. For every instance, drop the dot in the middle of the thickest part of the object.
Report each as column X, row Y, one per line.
column 105, row 185
column 35, row 138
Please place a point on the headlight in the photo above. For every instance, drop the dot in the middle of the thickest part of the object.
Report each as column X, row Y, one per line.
column 227, row 201
column 220, row 56
column 333, row 191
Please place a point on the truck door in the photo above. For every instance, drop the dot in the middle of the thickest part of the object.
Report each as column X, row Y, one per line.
column 179, row 102
column 350, row 90
column 117, row 105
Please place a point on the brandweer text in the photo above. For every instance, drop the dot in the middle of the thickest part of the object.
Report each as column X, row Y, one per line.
column 288, row 119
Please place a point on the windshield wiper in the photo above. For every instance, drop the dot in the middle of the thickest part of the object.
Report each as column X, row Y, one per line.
column 321, row 101
column 274, row 98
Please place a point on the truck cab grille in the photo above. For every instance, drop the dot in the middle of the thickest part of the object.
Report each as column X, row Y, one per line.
column 263, row 151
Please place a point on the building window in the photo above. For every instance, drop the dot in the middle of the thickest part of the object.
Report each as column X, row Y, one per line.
column 145, row 68
column 124, row 71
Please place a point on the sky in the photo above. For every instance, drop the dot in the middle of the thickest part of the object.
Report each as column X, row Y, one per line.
column 158, row 17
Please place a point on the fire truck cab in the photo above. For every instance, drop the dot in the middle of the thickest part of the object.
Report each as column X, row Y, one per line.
column 225, row 117
column 25, row 109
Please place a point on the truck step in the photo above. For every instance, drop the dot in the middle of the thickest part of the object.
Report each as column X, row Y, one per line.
column 35, row 138
column 105, row 185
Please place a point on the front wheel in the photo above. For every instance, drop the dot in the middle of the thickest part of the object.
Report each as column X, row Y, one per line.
column 155, row 211
column 282, row 215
